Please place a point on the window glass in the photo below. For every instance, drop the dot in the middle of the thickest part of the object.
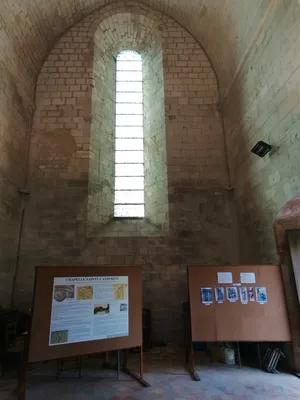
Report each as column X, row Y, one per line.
column 129, row 138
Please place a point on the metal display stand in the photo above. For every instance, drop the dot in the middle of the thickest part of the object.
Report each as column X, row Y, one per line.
column 60, row 367
column 36, row 347
column 271, row 360
column 190, row 362
column 239, row 354
column 190, row 351
column 140, row 377
column 189, row 347
column 20, row 391
column 190, row 359
column 221, row 320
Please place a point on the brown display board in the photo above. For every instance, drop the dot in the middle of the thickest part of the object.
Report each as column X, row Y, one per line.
column 235, row 321
column 39, row 349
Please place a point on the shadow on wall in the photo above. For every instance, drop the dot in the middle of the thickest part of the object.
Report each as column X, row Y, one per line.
column 251, row 221
column 15, row 118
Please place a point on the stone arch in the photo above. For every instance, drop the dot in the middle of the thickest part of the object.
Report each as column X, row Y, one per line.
column 159, row 18
column 138, row 29
column 100, row 19
column 190, row 89
column 57, row 223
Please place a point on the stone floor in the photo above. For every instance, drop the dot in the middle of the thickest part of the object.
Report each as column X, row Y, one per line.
column 165, row 372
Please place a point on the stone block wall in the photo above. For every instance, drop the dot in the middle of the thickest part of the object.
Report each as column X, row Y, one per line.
column 195, row 145
column 17, row 78
column 63, row 99
column 263, row 104
column 254, row 50
column 102, row 146
column 15, row 114
column 201, row 210
column 224, row 28
column 155, row 154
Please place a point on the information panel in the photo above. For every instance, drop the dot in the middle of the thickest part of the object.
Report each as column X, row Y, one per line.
column 237, row 303
column 88, row 308
column 80, row 310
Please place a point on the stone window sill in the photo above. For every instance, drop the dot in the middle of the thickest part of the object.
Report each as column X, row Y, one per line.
column 127, row 227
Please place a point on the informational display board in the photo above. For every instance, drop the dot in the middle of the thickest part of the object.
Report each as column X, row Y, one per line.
column 83, row 310
column 88, row 308
column 237, row 303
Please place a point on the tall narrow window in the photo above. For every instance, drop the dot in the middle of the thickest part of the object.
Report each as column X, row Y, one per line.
column 129, row 137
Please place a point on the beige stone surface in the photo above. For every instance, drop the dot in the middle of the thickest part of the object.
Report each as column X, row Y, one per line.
column 263, row 104
column 224, row 28
column 70, row 138
column 230, row 71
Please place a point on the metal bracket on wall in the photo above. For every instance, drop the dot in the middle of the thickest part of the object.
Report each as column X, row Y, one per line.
column 24, row 192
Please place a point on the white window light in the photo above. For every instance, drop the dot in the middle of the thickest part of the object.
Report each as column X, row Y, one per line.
column 129, row 137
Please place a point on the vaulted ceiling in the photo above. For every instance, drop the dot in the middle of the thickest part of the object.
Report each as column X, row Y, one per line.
column 29, row 28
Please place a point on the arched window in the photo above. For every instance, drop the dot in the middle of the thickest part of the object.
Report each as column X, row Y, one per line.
column 129, row 137
column 128, row 183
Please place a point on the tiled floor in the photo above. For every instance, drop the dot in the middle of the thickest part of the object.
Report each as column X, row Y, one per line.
column 168, row 378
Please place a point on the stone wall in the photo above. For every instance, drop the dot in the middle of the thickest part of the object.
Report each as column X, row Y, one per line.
column 201, row 215
column 253, row 47
column 102, row 146
column 15, row 116
column 155, row 155
column 224, row 28
column 16, row 110
column 263, row 104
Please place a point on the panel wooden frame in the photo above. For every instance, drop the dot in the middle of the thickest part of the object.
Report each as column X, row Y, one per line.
column 39, row 349
column 236, row 321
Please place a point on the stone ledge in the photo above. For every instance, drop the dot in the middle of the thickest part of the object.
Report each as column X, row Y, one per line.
column 127, row 227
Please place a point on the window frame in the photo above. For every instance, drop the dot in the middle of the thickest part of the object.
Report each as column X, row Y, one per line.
column 122, row 135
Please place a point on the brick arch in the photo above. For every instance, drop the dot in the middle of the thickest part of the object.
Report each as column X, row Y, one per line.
column 144, row 31
column 40, row 26
column 128, row 28
column 104, row 14
column 287, row 218
column 160, row 22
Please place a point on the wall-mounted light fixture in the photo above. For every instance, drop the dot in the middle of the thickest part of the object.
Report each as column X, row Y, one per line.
column 261, row 148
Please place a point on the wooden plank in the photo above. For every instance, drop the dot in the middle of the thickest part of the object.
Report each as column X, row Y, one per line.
column 237, row 321
column 39, row 349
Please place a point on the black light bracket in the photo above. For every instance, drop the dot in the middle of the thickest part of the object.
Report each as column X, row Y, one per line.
column 24, row 191
column 261, row 148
